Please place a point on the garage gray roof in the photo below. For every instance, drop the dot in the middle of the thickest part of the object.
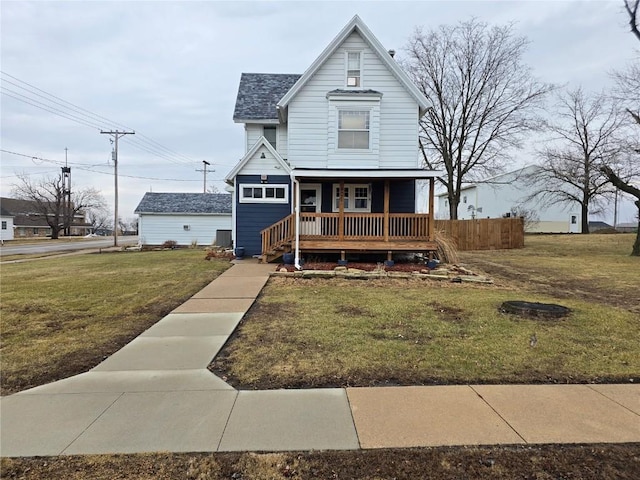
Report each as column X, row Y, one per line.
column 184, row 203
column 259, row 93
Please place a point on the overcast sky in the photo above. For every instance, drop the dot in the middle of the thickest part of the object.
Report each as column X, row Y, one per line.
column 170, row 71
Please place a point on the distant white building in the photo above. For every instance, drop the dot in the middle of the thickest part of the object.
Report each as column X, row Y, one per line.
column 506, row 195
column 6, row 233
column 186, row 218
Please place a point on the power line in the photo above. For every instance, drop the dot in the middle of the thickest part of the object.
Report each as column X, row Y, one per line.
column 80, row 167
column 85, row 117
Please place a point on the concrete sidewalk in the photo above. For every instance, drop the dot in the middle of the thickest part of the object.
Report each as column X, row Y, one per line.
column 155, row 394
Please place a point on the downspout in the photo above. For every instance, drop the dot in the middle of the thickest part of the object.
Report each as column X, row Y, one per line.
column 297, row 212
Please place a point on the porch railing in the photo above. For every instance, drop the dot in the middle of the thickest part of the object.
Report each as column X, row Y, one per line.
column 349, row 226
column 278, row 234
column 364, row 226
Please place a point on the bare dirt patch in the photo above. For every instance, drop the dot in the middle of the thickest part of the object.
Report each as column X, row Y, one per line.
column 540, row 462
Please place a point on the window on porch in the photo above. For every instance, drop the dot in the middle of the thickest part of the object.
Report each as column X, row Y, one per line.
column 357, row 198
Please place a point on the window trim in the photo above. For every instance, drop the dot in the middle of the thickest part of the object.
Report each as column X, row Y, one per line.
column 351, row 197
column 264, row 199
column 346, row 69
column 340, row 110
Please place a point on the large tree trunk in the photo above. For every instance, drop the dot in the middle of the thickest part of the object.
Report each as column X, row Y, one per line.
column 635, row 251
column 585, row 218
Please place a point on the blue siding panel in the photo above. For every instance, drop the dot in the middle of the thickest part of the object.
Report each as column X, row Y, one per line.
column 402, row 196
column 251, row 218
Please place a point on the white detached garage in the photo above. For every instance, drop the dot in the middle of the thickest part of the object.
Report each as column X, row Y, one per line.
column 187, row 218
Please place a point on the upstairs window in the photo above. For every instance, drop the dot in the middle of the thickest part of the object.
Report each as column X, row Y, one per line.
column 354, row 70
column 270, row 133
column 353, row 129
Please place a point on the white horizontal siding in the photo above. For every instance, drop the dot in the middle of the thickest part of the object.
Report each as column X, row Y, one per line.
column 258, row 166
column 7, row 234
column 255, row 131
column 157, row 229
column 312, row 128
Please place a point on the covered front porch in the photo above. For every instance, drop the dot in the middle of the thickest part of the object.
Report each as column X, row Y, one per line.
column 309, row 229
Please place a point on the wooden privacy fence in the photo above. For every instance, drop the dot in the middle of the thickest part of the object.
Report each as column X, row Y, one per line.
column 484, row 233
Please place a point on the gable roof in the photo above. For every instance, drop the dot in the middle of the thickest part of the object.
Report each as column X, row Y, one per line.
column 5, row 213
column 258, row 95
column 262, row 142
column 187, row 203
column 16, row 206
column 356, row 24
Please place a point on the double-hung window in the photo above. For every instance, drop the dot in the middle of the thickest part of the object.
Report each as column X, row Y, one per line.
column 354, row 70
column 268, row 193
column 270, row 132
column 353, row 129
column 357, row 198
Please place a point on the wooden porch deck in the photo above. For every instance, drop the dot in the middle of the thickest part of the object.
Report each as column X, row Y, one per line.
column 350, row 233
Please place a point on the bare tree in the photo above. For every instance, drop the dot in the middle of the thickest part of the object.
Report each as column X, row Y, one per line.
column 48, row 198
column 100, row 218
column 585, row 134
column 628, row 91
column 483, row 97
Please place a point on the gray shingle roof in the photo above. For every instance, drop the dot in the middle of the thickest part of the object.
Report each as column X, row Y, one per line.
column 184, row 203
column 259, row 93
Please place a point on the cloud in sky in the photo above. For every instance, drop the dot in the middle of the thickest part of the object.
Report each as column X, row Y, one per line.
column 170, row 71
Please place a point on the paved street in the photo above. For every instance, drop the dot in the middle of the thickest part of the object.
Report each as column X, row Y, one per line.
column 48, row 246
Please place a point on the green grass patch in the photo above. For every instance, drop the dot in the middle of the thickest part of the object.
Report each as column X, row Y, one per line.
column 63, row 316
column 338, row 332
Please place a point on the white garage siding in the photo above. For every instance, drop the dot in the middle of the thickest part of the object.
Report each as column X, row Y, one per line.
column 155, row 229
column 7, row 228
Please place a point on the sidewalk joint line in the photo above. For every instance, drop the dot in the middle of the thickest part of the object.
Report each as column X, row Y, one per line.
column 226, row 424
column 497, row 413
column 613, row 400
column 353, row 420
column 94, row 421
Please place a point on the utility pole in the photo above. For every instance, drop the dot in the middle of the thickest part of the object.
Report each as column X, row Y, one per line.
column 205, row 164
column 116, row 134
column 66, row 195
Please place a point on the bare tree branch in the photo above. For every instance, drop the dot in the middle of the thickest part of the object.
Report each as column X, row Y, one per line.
column 483, row 99
column 632, row 10
column 587, row 133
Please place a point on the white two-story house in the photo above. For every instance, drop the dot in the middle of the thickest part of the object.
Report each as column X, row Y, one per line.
column 331, row 158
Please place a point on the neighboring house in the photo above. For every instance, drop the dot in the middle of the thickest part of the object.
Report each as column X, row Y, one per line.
column 6, row 233
column 29, row 222
column 186, row 218
column 505, row 196
column 627, row 227
column 594, row 226
column 331, row 158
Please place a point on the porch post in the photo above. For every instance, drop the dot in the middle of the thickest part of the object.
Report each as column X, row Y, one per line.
column 386, row 211
column 432, row 217
column 341, row 212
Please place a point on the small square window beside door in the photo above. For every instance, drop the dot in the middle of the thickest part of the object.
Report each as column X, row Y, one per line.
column 186, row 227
